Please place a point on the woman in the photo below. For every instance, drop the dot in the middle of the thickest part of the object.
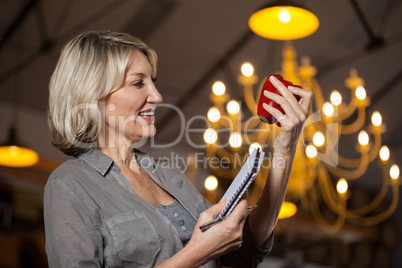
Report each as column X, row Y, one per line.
column 112, row 206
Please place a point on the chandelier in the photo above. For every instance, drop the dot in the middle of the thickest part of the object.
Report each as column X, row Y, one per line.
column 321, row 172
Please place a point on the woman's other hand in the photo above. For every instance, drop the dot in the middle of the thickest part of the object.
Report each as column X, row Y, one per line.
column 220, row 238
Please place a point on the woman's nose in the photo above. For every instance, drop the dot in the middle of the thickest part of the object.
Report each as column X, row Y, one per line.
column 155, row 96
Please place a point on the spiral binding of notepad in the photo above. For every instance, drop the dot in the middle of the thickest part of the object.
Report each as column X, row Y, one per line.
column 236, row 197
column 242, row 181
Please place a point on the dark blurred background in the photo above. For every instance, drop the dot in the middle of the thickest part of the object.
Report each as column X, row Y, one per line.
column 198, row 42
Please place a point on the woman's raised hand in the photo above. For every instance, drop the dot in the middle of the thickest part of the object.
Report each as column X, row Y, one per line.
column 295, row 116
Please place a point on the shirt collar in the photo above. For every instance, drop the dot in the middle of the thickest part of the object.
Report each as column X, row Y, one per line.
column 98, row 160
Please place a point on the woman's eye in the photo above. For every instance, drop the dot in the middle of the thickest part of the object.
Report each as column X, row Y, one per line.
column 139, row 83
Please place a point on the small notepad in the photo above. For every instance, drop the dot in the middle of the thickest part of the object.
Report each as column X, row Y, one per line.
column 242, row 181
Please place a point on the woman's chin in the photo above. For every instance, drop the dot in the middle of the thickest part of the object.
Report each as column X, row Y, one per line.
column 149, row 132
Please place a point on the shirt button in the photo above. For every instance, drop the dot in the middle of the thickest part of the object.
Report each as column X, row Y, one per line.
column 183, row 228
column 175, row 214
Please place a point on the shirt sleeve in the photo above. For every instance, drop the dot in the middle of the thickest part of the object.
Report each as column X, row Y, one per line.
column 249, row 255
column 72, row 239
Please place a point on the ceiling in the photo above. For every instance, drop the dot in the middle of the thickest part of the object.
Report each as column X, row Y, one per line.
column 201, row 41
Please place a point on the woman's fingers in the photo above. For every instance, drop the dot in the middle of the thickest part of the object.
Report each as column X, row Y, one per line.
column 239, row 211
column 295, row 112
column 222, row 237
column 282, row 102
column 284, row 91
column 306, row 97
column 211, row 213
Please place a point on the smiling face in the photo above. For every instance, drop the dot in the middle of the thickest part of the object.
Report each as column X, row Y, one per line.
column 129, row 111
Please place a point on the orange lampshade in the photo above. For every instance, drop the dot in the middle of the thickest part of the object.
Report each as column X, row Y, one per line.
column 13, row 154
column 283, row 20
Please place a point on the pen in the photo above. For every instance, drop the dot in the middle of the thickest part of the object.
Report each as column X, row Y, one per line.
column 207, row 225
column 251, row 208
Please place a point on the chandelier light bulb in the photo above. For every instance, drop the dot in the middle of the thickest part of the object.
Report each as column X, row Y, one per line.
column 247, row 69
column 394, row 172
column 213, row 114
column 376, row 119
column 328, row 109
column 235, row 140
column 384, row 153
column 336, row 98
column 318, row 139
column 360, row 93
column 254, row 146
column 233, row 107
column 218, row 88
column 210, row 136
column 363, row 138
column 284, row 15
column 342, row 186
column 211, row 183
column 311, row 151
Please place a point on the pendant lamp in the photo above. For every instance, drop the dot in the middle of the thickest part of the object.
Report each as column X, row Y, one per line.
column 14, row 154
column 283, row 20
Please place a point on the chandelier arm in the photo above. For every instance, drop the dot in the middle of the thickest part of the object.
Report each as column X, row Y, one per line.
column 356, row 213
column 331, row 155
column 322, row 223
column 235, row 118
column 357, row 124
column 346, row 111
column 351, row 174
column 331, row 197
column 225, row 121
column 310, row 177
column 356, row 162
column 318, row 96
column 218, row 103
column 373, row 220
column 250, row 99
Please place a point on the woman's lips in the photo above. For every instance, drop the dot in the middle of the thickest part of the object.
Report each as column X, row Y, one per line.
column 147, row 115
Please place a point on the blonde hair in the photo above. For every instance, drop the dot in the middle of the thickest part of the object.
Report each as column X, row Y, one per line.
column 91, row 66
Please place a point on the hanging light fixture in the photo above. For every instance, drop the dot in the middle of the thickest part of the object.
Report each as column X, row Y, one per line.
column 14, row 154
column 283, row 20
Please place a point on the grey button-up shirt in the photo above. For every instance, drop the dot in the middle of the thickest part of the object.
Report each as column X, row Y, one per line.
column 93, row 218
